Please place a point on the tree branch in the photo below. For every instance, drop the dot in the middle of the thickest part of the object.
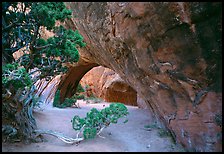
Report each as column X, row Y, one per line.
column 9, row 26
column 60, row 136
column 42, row 47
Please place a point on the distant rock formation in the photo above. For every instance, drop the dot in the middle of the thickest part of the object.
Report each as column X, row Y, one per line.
column 106, row 84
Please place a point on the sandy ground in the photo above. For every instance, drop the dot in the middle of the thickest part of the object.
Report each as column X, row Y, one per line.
column 120, row 137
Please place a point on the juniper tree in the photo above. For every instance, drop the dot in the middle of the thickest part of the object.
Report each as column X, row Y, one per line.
column 22, row 23
column 21, row 26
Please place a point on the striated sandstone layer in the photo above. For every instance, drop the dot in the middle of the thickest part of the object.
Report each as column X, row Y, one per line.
column 169, row 52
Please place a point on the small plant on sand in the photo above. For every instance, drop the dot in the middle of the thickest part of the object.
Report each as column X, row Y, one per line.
column 95, row 120
column 93, row 124
column 151, row 126
column 68, row 102
column 80, row 88
column 162, row 132
column 78, row 96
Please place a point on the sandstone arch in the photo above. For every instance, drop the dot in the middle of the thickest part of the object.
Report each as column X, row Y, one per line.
column 104, row 83
column 169, row 52
column 69, row 82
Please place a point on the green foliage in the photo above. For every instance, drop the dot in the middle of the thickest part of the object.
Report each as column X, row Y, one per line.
column 79, row 96
column 87, row 86
column 89, row 133
column 68, row 102
column 56, row 101
column 80, row 88
column 153, row 126
column 114, row 112
column 23, row 30
column 95, row 119
column 22, row 25
column 48, row 12
column 65, row 44
column 164, row 133
column 15, row 76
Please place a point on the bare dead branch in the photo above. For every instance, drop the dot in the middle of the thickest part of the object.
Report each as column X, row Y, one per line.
column 60, row 136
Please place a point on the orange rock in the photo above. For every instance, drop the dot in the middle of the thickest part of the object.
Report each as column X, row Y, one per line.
column 167, row 52
column 106, row 84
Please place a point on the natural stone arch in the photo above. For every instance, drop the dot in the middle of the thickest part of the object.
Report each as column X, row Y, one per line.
column 114, row 89
column 169, row 52
column 70, row 80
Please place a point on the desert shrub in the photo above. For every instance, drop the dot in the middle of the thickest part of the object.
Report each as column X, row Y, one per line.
column 164, row 133
column 68, row 102
column 56, row 101
column 79, row 96
column 152, row 126
column 95, row 120
column 80, row 88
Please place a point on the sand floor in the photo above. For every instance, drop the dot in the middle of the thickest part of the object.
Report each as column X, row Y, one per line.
column 120, row 137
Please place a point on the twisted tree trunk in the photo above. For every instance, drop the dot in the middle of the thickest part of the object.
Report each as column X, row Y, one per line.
column 18, row 113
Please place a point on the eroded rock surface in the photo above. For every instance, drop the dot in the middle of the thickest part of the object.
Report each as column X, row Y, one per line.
column 70, row 81
column 106, row 84
column 169, row 52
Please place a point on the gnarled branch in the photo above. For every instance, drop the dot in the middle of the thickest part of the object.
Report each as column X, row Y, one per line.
column 60, row 136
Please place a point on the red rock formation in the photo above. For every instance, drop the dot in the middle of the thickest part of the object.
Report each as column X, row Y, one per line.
column 107, row 84
column 170, row 53
column 116, row 90
column 95, row 81
column 70, row 81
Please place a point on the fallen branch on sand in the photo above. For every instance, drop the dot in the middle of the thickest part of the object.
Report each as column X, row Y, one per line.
column 92, row 125
column 63, row 137
column 60, row 136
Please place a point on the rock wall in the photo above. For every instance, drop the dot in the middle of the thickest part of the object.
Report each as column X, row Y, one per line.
column 106, row 84
column 47, row 89
column 170, row 52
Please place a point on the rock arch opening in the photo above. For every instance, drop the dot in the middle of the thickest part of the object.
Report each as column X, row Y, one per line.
column 69, row 82
column 107, row 85
column 100, row 82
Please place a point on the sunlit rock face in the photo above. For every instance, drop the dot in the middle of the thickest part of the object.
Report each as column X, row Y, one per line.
column 47, row 89
column 170, row 53
column 106, row 84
